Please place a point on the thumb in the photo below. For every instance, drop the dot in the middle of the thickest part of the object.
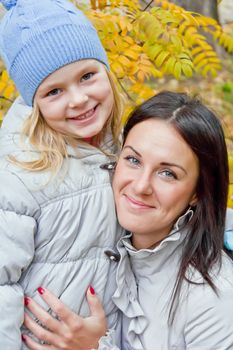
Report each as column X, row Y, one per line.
column 95, row 305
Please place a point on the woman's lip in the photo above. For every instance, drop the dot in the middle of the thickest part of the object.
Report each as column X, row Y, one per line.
column 137, row 203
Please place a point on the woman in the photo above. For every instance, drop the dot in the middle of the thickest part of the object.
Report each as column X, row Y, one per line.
column 174, row 282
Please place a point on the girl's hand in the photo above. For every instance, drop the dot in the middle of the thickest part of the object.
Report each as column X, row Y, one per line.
column 70, row 332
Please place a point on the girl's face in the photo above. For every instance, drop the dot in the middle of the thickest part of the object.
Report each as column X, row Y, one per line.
column 77, row 99
column 154, row 182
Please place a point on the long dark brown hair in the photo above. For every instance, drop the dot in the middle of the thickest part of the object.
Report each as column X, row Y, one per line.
column 202, row 131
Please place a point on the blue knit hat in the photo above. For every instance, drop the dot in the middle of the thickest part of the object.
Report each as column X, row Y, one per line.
column 38, row 37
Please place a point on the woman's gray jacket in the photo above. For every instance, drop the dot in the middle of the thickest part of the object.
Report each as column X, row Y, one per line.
column 53, row 232
column 145, row 283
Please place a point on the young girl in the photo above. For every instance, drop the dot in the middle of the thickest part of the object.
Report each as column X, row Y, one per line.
column 57, row 214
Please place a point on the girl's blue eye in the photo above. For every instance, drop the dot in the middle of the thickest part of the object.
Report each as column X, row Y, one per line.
column 54, row 92
column 87, row 76
column 132, row 160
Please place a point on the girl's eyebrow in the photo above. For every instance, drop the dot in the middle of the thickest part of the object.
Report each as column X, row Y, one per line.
column 49, row 87
column 163, row 163
column 85, row 68
column 134, row 150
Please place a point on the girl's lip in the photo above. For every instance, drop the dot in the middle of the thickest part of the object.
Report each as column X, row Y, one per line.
column 86, row 120
column 138, row 203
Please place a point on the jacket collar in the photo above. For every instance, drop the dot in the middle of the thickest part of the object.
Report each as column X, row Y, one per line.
column 177, row 234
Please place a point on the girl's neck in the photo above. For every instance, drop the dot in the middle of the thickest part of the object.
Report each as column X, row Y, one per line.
column 88, row 140
column 93, row 141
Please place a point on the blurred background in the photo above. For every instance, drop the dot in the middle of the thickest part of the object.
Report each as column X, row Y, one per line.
column 178, row 45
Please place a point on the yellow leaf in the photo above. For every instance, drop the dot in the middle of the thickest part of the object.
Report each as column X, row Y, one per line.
column 188, row 62
column 201, row 64
column 93, row 4
column 123, row 24
column 8, row 91
column 230, row 163
column 153, row 51
column 169, row 67
column 177, row 70
column 117, row 69
column 199, row 58
column 187, row 70
column 2, row 85
column 5, row 76
column 230, row 196
column 161, row 58
column 141, row 76
column 182, row 27
column 176, row 42
column 124, row 61
column 136, row 48
column 129, row 40
column 133, row 69
column 132, row 54
column 196, row 50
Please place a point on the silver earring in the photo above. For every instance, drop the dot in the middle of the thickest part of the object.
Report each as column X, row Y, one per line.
column 190, row 213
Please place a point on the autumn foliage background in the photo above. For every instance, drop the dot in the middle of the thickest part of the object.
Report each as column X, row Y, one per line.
column 157, row 45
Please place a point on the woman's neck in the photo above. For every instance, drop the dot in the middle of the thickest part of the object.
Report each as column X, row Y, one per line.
column 147, row 242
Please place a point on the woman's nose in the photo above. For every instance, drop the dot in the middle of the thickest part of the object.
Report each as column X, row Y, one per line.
column 143, row 185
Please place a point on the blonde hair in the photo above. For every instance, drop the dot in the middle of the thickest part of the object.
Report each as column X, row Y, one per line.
column 52, row 145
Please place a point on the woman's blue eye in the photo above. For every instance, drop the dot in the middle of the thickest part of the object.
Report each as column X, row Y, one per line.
column 132, row 160
column 87, row 76
column 169, row 174
column 54, row 92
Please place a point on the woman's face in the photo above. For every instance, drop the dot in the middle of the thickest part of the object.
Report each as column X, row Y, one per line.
column 154, row 182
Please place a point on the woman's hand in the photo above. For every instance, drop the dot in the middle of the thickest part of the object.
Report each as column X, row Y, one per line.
column 70, row 332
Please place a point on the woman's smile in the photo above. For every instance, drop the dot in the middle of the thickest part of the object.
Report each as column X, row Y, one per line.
column 136, row 204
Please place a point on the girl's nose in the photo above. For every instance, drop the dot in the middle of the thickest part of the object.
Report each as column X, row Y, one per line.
column 77, row 98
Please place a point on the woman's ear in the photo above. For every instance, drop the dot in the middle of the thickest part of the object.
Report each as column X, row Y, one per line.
column 193, row 200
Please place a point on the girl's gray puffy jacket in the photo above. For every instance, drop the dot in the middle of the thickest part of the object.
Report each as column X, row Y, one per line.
column 53, row 233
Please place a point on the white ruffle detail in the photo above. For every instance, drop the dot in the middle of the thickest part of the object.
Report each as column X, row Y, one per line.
column 125, row 298
column 108, row 342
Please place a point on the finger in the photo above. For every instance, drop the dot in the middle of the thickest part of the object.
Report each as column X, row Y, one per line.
column 60, row 309
column 39, row 332
column 95, row 305
column 31, row 344
column 45, row 318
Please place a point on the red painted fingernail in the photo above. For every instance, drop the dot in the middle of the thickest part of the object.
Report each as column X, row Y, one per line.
column 92, row 291
column 26, row 301
column 41, row 290
column 23, row 338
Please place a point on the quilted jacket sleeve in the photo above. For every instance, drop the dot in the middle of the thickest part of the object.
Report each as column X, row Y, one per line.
column 210, row 319
column 18, row 211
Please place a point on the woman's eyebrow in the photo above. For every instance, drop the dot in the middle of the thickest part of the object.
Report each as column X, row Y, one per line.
column 176, row 165
column 134, row 150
